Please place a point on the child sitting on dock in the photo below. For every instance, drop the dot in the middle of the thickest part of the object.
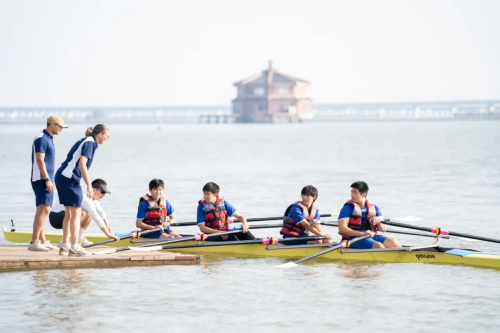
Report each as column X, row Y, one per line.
column 153, row 211
column 213, row 216
column 302, row 218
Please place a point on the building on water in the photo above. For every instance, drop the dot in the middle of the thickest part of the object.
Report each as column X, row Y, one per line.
column 272, row 96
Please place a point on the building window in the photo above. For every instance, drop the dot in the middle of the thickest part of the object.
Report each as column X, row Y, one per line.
column 283, row 90
column 258, row 91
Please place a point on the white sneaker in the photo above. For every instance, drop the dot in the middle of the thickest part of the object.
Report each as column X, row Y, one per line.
column 50, row 246
column 37, row 246
column 78, row 252
column 86, row 242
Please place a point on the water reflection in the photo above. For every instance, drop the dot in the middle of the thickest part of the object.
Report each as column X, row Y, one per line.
column 59, row 297
column 360, row 270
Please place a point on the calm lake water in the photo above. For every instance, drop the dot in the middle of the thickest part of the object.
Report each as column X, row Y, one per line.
column 447, row 173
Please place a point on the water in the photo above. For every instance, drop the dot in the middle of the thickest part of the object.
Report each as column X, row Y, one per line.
column 445, row 172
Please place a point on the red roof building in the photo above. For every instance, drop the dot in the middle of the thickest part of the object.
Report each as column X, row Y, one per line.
column 270, row 97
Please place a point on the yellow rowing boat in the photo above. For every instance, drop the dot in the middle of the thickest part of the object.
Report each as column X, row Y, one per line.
column 428, row 254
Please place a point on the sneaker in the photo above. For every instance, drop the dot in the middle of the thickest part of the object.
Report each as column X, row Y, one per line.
column 37, row 246
column 63, row 251
column 50, row 246
column 79, row 252
column 86, row 242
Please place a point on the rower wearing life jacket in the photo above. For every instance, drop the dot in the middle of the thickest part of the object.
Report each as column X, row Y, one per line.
column 301, row 219
column 153, row 211
column 216, row 214
column 156, row 214
column 213, row 216
column 358, row 221
column 360, row 217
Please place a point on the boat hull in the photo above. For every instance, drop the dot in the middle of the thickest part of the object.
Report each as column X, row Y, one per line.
column 451, row 256
column 431, row 256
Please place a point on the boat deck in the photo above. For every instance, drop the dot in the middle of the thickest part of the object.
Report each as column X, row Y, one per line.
column 19, row 258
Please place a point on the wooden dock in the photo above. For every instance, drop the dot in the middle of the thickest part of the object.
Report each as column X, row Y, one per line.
column 19, row 258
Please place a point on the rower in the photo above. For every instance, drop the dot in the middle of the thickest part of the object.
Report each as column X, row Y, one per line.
column 302, row 218
column 153, row 211
column 91, row 210
column 360, row 217
column 213, row 215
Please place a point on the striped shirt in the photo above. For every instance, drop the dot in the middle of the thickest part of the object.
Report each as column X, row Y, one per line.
column 43, row 143
column 83, row 147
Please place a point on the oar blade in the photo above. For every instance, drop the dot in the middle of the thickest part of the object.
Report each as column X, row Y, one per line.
column 145, row 249
column 287, row 265
column 464, row 239
column 104, row 252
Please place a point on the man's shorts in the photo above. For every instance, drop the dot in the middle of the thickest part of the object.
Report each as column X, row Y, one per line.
column 43, row 197
column 297, row 242
column 157, row 234
column 56, row 219
column 367, row 243
column 69, row 190
column 240, row 236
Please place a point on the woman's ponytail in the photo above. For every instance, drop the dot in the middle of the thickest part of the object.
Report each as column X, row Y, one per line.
column 88, row 132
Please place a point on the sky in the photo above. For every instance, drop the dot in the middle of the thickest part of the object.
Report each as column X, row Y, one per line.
column 180, row 53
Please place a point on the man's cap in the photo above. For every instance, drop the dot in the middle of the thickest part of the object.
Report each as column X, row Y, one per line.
column 102, row 188
column 56, row 120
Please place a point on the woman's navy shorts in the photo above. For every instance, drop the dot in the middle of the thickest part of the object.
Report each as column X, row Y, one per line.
column 69, row 190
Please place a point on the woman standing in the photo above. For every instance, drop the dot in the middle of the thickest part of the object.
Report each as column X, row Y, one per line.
column 68, row 178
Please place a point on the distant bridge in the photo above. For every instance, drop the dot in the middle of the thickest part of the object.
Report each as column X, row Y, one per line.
column 223, row 114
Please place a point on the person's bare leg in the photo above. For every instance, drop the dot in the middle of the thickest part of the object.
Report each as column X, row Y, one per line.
column 85, row 219
column 74, row 226
column 68, row 213
column 42, row 211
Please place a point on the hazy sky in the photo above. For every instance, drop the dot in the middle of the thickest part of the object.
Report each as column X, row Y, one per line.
column 145, row 53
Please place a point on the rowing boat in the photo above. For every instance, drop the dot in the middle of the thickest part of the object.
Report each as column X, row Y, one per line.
column 427, row 254
column 433, row 254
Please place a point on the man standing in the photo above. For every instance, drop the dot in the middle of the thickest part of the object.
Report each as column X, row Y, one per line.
column 42, row 180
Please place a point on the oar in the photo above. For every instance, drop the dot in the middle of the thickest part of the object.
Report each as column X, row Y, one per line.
column 156, row 246
column 239, row 227
column 133, row 234
column 256, row 219
column 333, row 224
column 438, row 231
column 265, row 241
column 343, row 244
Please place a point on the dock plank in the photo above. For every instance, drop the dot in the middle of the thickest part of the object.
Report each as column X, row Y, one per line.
column 19, row 258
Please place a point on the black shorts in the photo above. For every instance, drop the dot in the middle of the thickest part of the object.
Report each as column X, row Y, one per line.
column 232, row 237
column 56, row 219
